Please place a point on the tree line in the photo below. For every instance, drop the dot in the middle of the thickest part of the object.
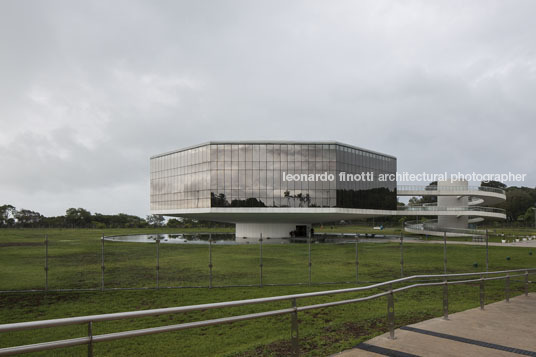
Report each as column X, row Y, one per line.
column 11, row 217
column 520, row 206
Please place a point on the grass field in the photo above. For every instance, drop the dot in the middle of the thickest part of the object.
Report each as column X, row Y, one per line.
column 74, row 262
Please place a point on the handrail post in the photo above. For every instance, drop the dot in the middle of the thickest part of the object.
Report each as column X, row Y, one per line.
column 391, row 312
column 356, row 259
column 482, row 292
column 487, row 252
column 260, row 261
column 444, row 252
column 446, row 300
column 526, row 283
column 310, row 264
column 157, row 263
column 507, row 287
column 90, row 335
column 210, row 261
column 401, row 255
column 294, row 330
column 102, row 263
column 46, row 262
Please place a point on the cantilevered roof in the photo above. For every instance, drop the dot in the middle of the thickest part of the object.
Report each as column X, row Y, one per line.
column 272, row 142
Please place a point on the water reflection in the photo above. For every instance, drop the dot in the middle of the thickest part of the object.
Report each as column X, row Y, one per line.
column 185, row 238
column 230, row 239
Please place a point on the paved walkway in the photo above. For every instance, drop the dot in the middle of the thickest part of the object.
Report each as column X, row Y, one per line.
column 501, row 329
column 523, row 244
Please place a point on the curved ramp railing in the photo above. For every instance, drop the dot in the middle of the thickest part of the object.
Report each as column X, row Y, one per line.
column 430, row 188
column 432, row 226
column 478, row 196
column 437, row 280
column 452, row 209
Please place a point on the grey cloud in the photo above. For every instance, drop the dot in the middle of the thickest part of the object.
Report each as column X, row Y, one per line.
column 90, row 90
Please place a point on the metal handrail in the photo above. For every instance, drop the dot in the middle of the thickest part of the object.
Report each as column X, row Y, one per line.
column 294, row 309
column 449, row 188
column 432, row 225
column 451, row 208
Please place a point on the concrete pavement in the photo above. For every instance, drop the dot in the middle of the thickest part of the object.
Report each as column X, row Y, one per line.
column 501, row 329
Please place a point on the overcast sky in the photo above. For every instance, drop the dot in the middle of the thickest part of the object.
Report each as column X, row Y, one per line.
column 89, row 90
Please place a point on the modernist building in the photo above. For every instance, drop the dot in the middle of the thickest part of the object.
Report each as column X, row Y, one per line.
column 272, row 187
column 276, row 188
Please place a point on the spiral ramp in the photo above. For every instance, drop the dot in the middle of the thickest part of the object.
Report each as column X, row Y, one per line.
column 457, row 206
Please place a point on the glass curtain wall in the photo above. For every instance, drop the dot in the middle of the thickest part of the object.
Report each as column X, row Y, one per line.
column 377, row 191
column 251, row 175
column 181, row 180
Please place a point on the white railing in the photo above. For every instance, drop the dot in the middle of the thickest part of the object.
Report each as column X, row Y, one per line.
column 449, row 188
column 432, row 225
column 451, row 208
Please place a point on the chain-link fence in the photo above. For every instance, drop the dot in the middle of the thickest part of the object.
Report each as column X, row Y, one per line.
column 207, row 260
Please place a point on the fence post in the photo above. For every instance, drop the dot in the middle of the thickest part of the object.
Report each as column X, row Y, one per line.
column 46, row 262
column 309, row 247
column 260, row 261
column 210, row 261
column 482, row 293
column 507, row 287
column 391, row 312
column 356, row 259
column 444, row 252
column 487, row 253
column 157, row 263
column 294, row 331
column 526, row 283
column 90, row 335
column 446, row 300
column 401, row 255
column 102, row 263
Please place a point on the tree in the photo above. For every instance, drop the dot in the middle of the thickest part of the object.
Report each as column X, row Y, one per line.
column 307, row 199
column 27, row 218
column 300, row 198
column 219, row 200
column 155, row 220
column 518, row 201
column 529, row 216
column 414, row 201
column 494, row 184
column 429, row 199
column 7, row 215
column 77, row 217
column 287, row 196
column 53, row 222
column 174, row 223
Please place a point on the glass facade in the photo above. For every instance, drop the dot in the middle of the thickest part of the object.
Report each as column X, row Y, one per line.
column 257, row 175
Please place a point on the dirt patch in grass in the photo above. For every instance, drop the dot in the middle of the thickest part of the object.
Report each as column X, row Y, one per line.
column 20, row 244
column 331, row 337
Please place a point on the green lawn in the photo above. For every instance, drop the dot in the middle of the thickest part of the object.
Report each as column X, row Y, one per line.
column 74, row 262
